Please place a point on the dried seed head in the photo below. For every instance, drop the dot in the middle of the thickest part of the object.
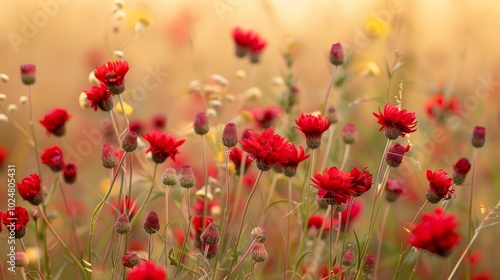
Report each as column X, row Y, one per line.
column 186, row 177
column 169, row 177
column 259, row 253
column 259, row 234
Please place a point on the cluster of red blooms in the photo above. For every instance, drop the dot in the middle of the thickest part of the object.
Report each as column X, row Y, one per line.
column 336, row 187
column 438, row 108
column 54, row 159
column 248, row 43
column 15, row 219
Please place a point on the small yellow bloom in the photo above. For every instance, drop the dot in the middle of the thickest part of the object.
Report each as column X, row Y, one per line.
column 33, row 254
column 247, row 116
column 376, row 26
column 127, row 107
column 138, row 19
column 373, row 69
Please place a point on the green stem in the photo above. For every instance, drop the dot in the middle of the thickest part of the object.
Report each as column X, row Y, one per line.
column 328, row 89
column 143, row 205
column 177, row 270
column 380, row 237
column 245, row 209
column 289, row 227
column 346, row 156
column 471, row 201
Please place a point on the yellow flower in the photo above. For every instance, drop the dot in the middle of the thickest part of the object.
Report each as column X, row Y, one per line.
column 376, row 26
column 138, row 19
column 127, row 107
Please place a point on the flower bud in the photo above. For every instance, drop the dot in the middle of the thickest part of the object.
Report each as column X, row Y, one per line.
column 186, row 177
column 333, row 115
column 348, row 258
column 21, row 259
column 35, row 214
column 130, row 259
column 210, row 249
column 336, row 54
column 478, row 136
column 108, row 156
column 349, row 134
column 394, row 157
column 28, row 72
column 229, row 135
column 211, row 235
column 460, row 170
column 201, row 125
column 169, row 177
column 152, row 224
column 122, row 224
column 246, row 135
column 69, row 173
column 393, row 190
column 259, row 253
column 129, row 143
column 369, row 264
column 259, row 234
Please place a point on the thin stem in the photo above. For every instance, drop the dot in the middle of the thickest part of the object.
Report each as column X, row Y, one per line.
column 471, row 201
column 330, row 243
column 289, row 227
column 328, row 89
column 143, row 205
column 242, row 258
column 167, row 191
column 115, row 261
column 72, row 234
column 463, row 254
column 124, row 113
column 263, row 218
column 245, row 209
column 115, row 127
column 380, row 237
column 205, row 179
column 187, row 233
column 346, row 156
column 414, row 269
column 32, row 263
column 329, row 142
column 32, row 126
column 150, row 241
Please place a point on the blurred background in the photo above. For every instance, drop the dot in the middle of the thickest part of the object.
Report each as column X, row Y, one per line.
column 431, row 48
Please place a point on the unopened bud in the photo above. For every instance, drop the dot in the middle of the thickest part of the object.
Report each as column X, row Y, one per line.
column 28, row 72
column 348, row 258
column 21, row 259
column 186, row 177
column 336, row 54
column 259, row 253
column 395, row 154
column 169, row 177
column 478, row 136
column 69, row 173
column 460, row 170
column 211, row 235
column 201, row 125
column 35, row 214
column 393, row 190
column 108, row 156
column 122, row 224
column 350, row 134
column 129, row 143
column 130, row 259
column 333, row 115
column 369, row 264
column 229, row 135
column 259, row 234
column 152, row 224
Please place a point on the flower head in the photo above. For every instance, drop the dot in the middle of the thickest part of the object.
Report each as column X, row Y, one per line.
column 393, row 190
column 396, row 122
column 109, row 157
column 236, row 156
column 265, row 117
column 55, row 121
column 267, row 148
column 53, row 158
column 460, row 170
column 437, row 108
column 112, row 74
column 440, row 186
column 334, row 186
column 162, row 145
column 152, row 224
column 394, row 157
column 69, row 173
column 436, row 233
column 243, row 41
column 478, row 136
column 201, row 125
column 259, row 253
column 28, row 72
column 361, row 180
column 229, row 135
column 130, row 259
column 211, row 235
column 146, row 271
column 350, row 134
column 296, row 155
column 30, row 189
column 100, row 97
column 313, row 127
column 20, row 215
column 336, row 54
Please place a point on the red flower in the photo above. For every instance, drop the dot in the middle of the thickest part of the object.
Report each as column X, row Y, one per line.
column 100, row 97
column 337, row 54
column 267, row 148
column 440, row 186
column 55, row 121
column 295, row 156
column 3, row 155
column 147, row 271
column 256, row 49
column 334, row 186
column 236, row 156
column 396, row 122
column 356, row 208
column 265, row 117
column 393, row 190
column 478, row 136
column 243, row 41
column 53, row 158
column 159, row 122
column 112, row 74
column 16, row 219
column 213, row 207
column 316, row 221
column 362, row 180
column 437, row 108
column 460, row 170
column 30, row 189
column 313, row 127
column 436, row 233
column 394, row 157
column 162, row 145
